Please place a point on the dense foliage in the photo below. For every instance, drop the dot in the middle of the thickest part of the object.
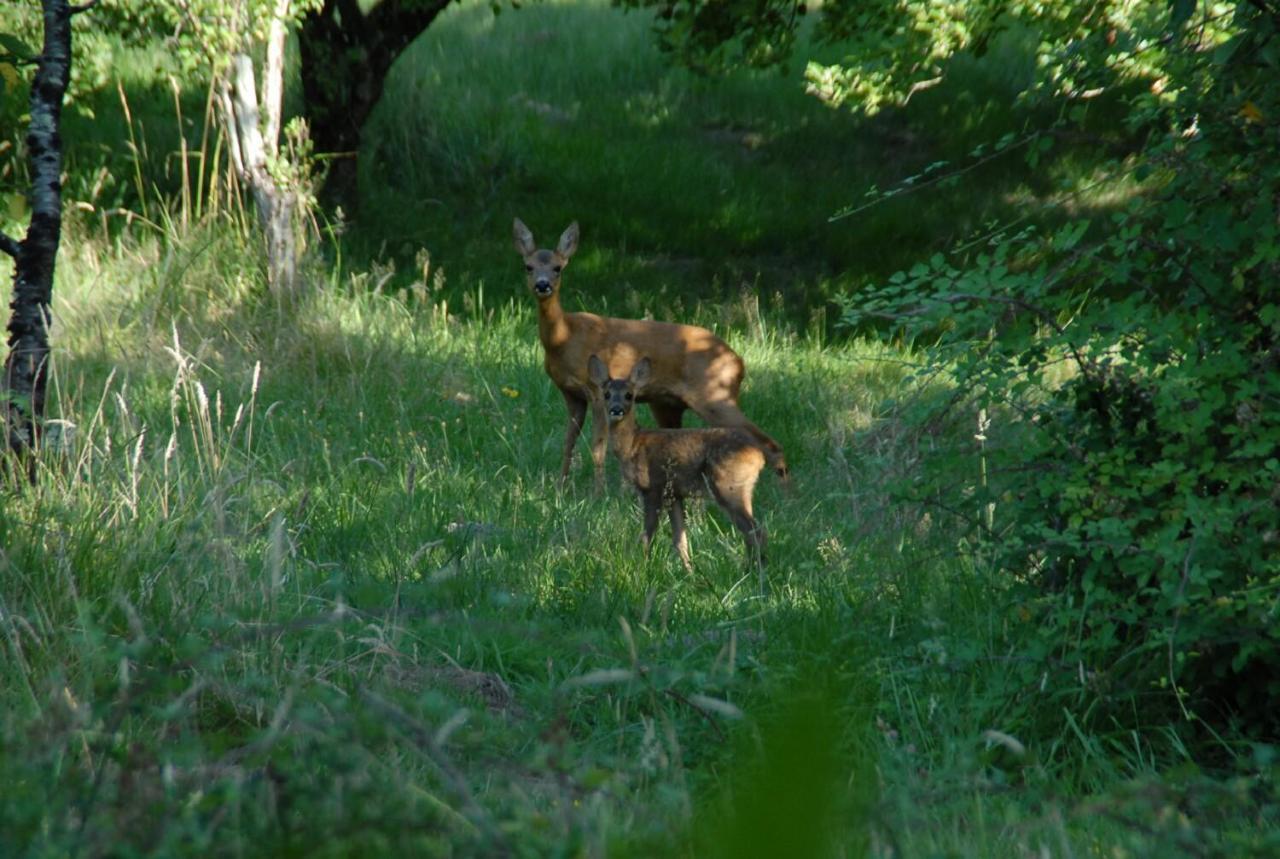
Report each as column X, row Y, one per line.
column 892, row 49
column 1123, row 364
column 1127, row 367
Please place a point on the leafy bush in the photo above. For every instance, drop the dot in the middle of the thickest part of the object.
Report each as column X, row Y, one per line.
column 1127, row 365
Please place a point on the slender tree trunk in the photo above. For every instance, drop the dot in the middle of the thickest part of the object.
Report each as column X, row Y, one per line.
column 22, row 392
column 254, row 134
column 346, row 56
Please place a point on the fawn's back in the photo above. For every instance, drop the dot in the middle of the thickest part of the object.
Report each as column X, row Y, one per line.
column 686, row 462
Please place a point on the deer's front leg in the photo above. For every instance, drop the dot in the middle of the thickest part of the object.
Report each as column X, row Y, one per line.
column 599, row 441
column 577, row 414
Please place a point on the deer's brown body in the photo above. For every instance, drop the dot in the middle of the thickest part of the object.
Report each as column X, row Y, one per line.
column 667, row 466
column 691, row 367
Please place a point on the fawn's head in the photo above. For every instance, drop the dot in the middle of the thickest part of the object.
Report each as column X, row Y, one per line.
column 543, row 267
column 619, row 395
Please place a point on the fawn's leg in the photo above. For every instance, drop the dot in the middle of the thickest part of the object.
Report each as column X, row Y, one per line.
column 679, row 538
column 736, row 502
column 577, row 414
column 651, row 509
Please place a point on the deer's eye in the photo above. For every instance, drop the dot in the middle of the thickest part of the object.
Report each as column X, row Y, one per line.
column 557, row 268
column 630, row 397
column 528, row 268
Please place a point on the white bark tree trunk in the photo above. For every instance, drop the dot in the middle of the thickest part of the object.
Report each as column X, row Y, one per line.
column 254, row 136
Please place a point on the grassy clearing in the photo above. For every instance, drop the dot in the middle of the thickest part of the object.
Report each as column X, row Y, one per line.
column 271, row 530
column 302, row 583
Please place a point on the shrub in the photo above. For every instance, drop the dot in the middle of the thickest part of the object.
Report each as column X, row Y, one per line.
column 1128, row 366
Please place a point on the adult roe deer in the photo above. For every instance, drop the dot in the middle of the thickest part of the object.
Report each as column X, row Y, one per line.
column 668, row 465
column 691, row 367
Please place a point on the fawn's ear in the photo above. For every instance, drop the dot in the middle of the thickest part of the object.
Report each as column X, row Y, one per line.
column 641, row 373
column 597, row 371
column 568, row 241
column 524, row 238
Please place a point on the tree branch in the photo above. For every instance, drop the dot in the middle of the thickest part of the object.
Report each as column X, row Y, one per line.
column 75, row 9
column 9, row 245
column 273, row 78
column 400, row 23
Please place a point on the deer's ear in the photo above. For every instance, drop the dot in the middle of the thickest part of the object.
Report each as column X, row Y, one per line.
column 597, row 371
column 641, row 373
column 568, row 241
column 524, row 238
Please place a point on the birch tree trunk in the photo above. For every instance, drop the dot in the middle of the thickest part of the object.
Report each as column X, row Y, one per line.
column 254, row 134
column 22, row 388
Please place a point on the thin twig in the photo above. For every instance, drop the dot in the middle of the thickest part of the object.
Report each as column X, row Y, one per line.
column 9, row 245
column 840, row 216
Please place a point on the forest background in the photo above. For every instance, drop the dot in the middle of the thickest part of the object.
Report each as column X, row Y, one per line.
column 293, row 575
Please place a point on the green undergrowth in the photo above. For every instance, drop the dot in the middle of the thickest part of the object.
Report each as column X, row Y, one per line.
column 301, row 583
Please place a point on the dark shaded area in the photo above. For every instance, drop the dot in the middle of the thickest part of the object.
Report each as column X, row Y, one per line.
column 346, row 54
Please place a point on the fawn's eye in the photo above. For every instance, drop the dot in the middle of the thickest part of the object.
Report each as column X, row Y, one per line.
column 557, row 268
column 630, row 397
column 528, row 268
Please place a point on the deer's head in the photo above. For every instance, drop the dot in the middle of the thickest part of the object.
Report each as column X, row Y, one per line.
column 619, row 395
column 543, row 267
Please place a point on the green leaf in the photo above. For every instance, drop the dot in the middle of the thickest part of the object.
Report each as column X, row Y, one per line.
column 15, row 47
column 1224, row 52
column 1180, row 12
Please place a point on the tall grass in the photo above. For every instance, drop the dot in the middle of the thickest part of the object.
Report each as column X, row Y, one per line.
column 300, row 581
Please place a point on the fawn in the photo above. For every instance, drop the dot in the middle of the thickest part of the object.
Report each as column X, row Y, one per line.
column 668, row 465
column 691, row 367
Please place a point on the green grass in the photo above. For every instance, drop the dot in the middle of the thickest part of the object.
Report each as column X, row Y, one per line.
column 303, row 584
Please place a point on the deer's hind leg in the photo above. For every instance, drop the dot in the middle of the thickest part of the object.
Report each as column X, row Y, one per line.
column 732, row 487
column 726, row 413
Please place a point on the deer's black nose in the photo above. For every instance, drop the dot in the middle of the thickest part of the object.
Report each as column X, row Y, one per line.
column 615, row 411
column 542, row 285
